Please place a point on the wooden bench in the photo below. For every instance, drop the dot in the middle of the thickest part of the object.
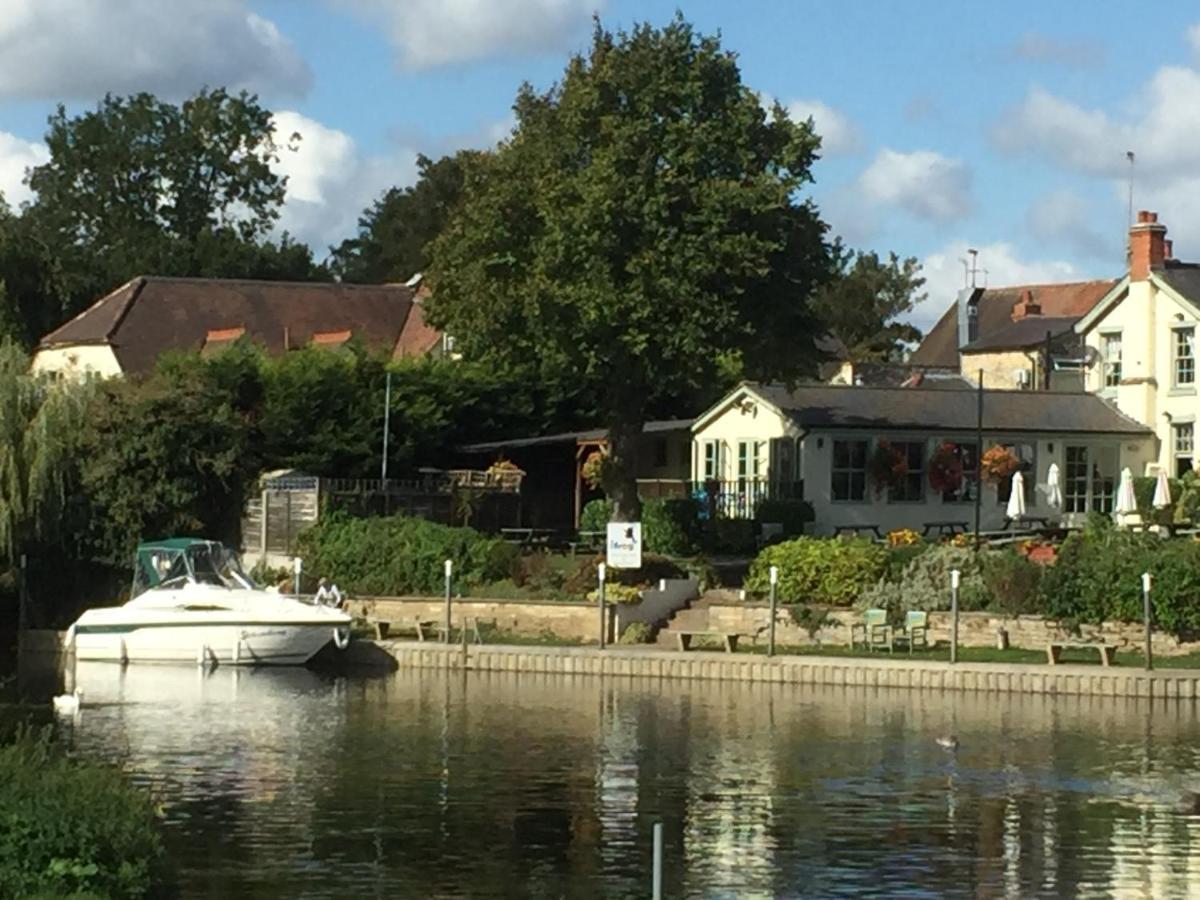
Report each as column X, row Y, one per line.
column 382, row 627
column 1108, row 652
column 684, row 638
column 427, row 629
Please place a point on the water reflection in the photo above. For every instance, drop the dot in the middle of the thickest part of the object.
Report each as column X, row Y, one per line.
column 288, row 783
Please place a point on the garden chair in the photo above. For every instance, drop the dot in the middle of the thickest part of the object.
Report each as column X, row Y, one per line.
column 873, row 631
column 916, row 631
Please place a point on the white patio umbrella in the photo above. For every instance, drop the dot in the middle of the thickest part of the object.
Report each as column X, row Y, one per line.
column 1016, row 498
column 1054, row 497
column 1162, row 491
column 1126, row 500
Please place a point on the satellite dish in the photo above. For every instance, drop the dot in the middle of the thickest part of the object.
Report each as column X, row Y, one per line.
column 1091, row 356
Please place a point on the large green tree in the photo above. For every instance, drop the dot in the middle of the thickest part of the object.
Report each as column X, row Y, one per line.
column 863, row 305
column 642, row 227
column 394, row 232
column 143, row 186
column 34, row 300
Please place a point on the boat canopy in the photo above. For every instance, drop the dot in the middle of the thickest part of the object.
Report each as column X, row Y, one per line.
column 177, row 561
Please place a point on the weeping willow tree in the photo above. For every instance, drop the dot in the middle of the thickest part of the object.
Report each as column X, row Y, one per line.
column 41, row 418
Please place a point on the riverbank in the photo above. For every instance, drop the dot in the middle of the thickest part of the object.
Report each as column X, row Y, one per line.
column 1078, row 680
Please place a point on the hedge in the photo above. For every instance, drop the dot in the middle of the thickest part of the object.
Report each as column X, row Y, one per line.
column 819, row 570
column 670, row 525
column 394, row 555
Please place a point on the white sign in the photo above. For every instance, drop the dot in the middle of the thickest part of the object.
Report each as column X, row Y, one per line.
column 623, row 550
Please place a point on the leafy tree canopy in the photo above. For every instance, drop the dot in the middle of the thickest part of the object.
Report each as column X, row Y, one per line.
column 641, row 226
column 393, row 233
column 863, row 304
column 140, row 185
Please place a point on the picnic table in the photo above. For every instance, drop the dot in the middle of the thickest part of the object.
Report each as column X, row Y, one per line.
column 856, row 530
column 1108, row 652
column 528, row 537
column 947, row 528
column 1027, row 523
column 592, row 541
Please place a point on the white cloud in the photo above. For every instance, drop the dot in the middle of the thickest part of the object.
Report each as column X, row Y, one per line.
column 330, row 182
column 80, row 49
column 1063, row 218
column 943, row 271
column 429, row 33
column 838, row 134
column 925, row 183
column 17, row 155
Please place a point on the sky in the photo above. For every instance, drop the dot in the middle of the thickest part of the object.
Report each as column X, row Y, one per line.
column 1002, row 127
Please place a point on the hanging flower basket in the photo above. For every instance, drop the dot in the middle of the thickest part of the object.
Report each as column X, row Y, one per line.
column 887, row 467
column 946, row 468
column 593, row 468
column 998, row 464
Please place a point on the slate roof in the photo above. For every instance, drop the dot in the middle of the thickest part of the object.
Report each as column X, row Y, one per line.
column 897, row 409
column 940, row 346
column 1027, row 332
column 664, row 426
column 1184, row 278
column 150, row 315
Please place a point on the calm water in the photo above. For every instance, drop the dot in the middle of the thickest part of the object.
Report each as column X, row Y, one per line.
column 293, row 784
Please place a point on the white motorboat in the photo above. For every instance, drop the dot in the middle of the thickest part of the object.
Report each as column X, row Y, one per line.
column 191, row 602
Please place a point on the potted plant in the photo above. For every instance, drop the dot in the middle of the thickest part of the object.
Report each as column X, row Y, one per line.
column 887, row 467
column 946, row 468
column 998, row 464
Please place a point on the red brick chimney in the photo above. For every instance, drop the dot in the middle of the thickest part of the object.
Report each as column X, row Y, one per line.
column 1147, row 246
column 1026, row 306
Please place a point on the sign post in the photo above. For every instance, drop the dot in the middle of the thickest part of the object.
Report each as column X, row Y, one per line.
column 954, row 579
column 623, row 547
column 771, row 630
column 601, row 571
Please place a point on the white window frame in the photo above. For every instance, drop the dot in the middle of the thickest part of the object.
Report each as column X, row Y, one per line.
column 1111, row 369
column 1183, row 337
column 712, row 460
column 1183, row 445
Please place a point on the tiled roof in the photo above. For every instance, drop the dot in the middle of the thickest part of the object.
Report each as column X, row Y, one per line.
column 150, row 315
column 1028, row 332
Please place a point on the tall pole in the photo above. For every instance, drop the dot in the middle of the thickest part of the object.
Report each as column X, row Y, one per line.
column 449, row 577
column 297, row 568
column 978, row 456
column 1146, row 615
column 387, row 420
column 600, row 574
column 954, row 576
column 771, row 628
column 22, row 605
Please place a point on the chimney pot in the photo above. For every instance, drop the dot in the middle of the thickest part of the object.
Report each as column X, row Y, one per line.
column 1146, row 217
column 1147, row 246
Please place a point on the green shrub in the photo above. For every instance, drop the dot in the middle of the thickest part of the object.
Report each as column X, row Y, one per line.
column 1143, row 490
column 818, row 570
column 1012, row 582
column 637, row 633
column 793, row 515
column 811, row 618
column 670, row 525
column 399, row 555
column 69, row 828
column 924, row 583
column 585, row 578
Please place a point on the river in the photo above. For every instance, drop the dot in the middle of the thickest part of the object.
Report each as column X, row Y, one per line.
column 290, row 783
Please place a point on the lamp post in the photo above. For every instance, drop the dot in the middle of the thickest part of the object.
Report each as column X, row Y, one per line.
column 449, row 576
column 771, row 628
column 955, row 575
column 601, row 572
column 1146, row 583
column 297, row 567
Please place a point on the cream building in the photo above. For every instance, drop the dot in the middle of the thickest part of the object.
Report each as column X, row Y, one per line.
column 1141, row 345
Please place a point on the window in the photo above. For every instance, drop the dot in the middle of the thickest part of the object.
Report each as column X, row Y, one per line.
column 968, row 458
column 783, row 466
column 1110, row 345
column 713, row 461
column 1027, row 454
column 849, row 479
column 660, row 453
column 1076, row 482
column 972, row 322
column 1091, row 479
column 1184, row 356
column 1183, row 437
column 911, row 488
column 752, row 460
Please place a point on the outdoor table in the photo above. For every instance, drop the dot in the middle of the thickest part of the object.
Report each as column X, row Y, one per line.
column 1030, row 523
column 948, row 527
column 856, row 530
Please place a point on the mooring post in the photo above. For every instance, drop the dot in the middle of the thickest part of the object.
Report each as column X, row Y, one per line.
column 954, row 579
column 1146, row 582
column 656, row 887
column 771, row 628
column 601, row 571
column 449, row 577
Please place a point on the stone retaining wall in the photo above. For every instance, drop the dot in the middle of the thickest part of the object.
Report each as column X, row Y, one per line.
column 975, row 629
column 804, row 670
column 577, row 621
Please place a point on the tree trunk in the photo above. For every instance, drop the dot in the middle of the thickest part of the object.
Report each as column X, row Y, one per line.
column 621, row 483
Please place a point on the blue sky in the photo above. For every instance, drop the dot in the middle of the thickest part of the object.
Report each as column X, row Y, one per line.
column 1001, row 126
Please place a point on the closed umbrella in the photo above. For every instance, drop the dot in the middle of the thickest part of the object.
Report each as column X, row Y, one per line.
column 1016, row 499
column 1126, row 500
column 1162, row 491
column 1054, row 497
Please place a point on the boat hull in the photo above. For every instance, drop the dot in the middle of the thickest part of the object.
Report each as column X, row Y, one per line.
column 236, row 643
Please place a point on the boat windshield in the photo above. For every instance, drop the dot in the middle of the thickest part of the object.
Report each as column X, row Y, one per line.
column 171, row 565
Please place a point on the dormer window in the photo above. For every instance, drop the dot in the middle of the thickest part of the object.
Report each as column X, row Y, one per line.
column 972, row 322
